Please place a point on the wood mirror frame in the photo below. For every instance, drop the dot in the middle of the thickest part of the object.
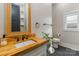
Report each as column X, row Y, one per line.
column 8, row 19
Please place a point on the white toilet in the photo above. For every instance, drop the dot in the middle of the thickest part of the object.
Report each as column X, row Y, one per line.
column 56, row 42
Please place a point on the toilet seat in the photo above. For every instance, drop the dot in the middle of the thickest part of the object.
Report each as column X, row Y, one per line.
column 56, row 40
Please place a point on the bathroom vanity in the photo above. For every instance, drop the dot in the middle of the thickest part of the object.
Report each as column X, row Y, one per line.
column 33, row 45
column 37, row 48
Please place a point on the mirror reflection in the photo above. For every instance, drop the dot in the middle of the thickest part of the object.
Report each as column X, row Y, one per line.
column 19, row 22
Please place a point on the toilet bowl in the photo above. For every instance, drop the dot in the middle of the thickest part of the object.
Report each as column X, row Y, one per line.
column 56, row 42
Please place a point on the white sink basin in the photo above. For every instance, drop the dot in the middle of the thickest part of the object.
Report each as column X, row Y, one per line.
column 19, row 45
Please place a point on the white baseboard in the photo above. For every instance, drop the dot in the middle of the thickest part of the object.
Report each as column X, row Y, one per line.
column 71, row 46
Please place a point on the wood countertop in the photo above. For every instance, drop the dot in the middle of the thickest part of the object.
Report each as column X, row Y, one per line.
column 11, row 50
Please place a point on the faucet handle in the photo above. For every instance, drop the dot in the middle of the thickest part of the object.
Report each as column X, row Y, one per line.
column 26, row 36
column 4, row 35
column 23, row 38
column 17, row 39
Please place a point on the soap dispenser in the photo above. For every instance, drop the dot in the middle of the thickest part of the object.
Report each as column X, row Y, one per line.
column 3, row 40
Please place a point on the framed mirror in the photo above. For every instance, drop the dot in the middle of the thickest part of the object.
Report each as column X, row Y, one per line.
column 18, row 18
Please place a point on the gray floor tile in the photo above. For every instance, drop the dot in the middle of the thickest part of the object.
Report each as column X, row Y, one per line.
column 63, row 51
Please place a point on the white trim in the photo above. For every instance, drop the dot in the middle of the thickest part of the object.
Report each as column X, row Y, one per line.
column 71, row 46
column 75, row 12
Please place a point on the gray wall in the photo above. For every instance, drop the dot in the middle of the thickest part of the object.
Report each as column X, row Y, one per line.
column 70, row 37
column 41, row 13
column 2, row 19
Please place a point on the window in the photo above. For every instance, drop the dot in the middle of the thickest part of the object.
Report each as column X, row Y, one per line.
column 72, row 21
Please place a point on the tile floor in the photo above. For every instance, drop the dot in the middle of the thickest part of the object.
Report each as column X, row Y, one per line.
column 63, row 51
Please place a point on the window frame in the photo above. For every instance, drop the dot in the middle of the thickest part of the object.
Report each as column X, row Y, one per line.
column 76, row 12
